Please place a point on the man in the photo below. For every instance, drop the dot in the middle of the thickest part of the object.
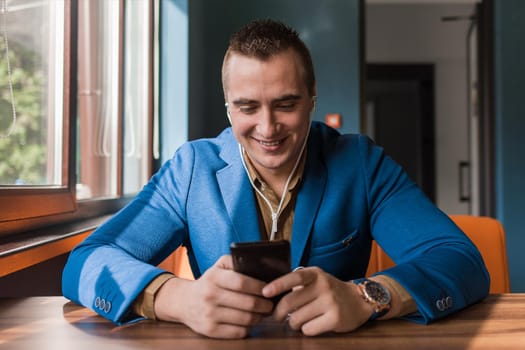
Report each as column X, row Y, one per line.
column 276, row 175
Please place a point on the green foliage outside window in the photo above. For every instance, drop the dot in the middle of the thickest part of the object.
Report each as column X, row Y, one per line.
column 23, row 154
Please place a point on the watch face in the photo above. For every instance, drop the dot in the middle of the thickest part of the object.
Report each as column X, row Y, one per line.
column 377, row 292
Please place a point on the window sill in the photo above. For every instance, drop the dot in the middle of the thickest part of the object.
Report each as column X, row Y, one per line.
column 31, row 248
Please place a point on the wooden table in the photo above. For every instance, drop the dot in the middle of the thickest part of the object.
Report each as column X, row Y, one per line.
column 55, row 323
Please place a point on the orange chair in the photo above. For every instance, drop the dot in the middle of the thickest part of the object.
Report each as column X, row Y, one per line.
column 488, row 236
column 178, row 264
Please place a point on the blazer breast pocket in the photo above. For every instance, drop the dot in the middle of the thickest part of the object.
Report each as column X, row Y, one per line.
column 341, row 245
column 342, row 258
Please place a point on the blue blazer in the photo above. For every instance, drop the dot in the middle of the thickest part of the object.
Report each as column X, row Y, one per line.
column 351, row 194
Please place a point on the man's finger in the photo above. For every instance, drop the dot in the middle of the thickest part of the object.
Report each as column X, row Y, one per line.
column 289, row 281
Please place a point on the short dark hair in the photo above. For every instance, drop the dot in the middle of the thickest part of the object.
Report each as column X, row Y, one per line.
column 264, row 38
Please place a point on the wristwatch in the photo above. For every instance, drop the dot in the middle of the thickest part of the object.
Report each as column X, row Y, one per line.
column 376, row 295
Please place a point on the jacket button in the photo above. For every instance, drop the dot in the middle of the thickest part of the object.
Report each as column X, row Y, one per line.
column 107, row 308
column 440, row 304
column 449, row 302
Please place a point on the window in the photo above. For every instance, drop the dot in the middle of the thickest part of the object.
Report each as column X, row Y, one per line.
column 35, row 138
column 76, row 108
column 31, row 135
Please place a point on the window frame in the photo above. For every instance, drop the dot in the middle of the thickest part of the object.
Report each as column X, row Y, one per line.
column 31, row 209
column 22, row 204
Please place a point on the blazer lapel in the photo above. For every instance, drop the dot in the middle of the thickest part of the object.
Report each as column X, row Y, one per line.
column 307, row 204
column 238, row 195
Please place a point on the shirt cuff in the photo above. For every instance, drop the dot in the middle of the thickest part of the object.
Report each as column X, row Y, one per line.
column 408, row 305
column 144, row 305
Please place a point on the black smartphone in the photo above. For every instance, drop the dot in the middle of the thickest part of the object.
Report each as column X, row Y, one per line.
column 263, row 260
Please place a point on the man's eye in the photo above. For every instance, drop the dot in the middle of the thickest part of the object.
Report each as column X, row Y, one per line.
column 248, row 109
column 286, row 107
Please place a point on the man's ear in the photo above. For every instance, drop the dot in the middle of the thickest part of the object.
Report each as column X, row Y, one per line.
column 314, row 99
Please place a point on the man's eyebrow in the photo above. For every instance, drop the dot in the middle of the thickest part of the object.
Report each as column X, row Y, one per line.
column 289, row 97
column 244, row 101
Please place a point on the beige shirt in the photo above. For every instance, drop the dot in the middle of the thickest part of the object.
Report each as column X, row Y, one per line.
column 285, row 222
column 144, row 304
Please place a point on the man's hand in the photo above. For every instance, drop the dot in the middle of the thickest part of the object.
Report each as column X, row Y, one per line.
column 221, row 303
column 318, row 302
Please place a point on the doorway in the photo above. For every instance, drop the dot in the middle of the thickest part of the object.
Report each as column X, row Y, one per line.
column 435, row 33
column 400, row 117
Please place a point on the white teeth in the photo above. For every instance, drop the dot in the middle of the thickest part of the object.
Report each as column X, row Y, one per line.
column 269, row 144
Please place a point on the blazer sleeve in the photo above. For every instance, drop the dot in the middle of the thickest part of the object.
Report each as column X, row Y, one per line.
column 435, row 261
column 115, row 263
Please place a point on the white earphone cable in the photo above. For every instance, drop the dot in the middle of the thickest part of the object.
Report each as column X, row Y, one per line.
column 276, row 213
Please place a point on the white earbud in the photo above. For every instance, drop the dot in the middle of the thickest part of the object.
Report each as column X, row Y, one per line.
column 228, row 112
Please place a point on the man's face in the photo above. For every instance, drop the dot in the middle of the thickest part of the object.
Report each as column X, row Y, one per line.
column 269, row 106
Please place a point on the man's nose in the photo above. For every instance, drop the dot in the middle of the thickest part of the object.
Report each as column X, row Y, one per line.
column 267, row 125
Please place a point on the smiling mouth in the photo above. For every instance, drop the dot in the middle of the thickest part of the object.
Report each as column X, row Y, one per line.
column 270, row 143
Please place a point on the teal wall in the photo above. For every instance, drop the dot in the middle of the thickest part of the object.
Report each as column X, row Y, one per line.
column 329, row 27
column 509, row 22
column 173, row 84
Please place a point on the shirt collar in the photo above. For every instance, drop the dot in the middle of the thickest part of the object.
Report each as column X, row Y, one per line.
column 258, row 180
